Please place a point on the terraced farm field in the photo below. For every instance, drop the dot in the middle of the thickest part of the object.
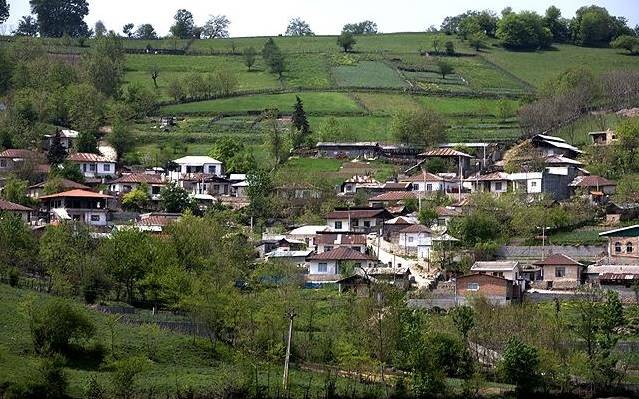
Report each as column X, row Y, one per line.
column 368, row 74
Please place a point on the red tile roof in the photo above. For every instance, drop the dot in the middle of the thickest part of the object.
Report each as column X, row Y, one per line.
column 495, row 176
column 344, row 239
column 66, row 183
column 396, row 186
column 558, row 260
column 12, row 207
column 340, row 253
column 88, row 157
column 394, row 196
column 77, row 194
column 444, row 152
column 591, row 181
column 424, row 176
column 416, row 228
column 157, row 220
column 357, row 213
column 443, row 211
column 139, row 178
column 18, row 153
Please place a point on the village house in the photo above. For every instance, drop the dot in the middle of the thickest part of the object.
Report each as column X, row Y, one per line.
column 596, row 187
column 623, row 243
column 392, row 198
column 81, row 205
column 617, row 212
column 494, row 288
column 16, row 209
column 129, row 182
column 426, row 182
column 67, row 139
column 156, row 222
column 197, row 165
column 326, row 267
column 37, row 190
column 200, row 185
column 361, row 281
column 551, row 145
column 445, row 214
column 13, row 159
column 606, row 137
column 367, row 150
column 461, row 160
column 509, row 270
column 357, row 182
column 307, row 233
column 621, row 278
column 270, row 243
column 393, row 226
column 415, row 240
column 560, row 272
column 297, row 258
column 93, row 165
column 365, row 220
column 327, row 241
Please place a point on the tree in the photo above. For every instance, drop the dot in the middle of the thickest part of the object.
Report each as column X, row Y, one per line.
column 55, row 324
column 154, row 71
column 523, row 31
column 361, row 28
column 301, row 128
column 520, row 366
column 557, row 25
column 273, row 57
column 15, row 190
column 175, row 198
column 216, row 27
column 184, row 25
column 259, row 190
column 145, row 32
column 4, row 11
column 57, row 153
column 445, row 67
column 250, row 56
column 450, row 48
column 423, row 127
column 594, row 26
column 176, row 90
column 478, row 41
column 104, row 66
column 85, row 107
column 119, row 137
column 138, row 101
column 464, row 320
column 346, row 41
column 427, row 216
column 100, row 30
column 137, row 199
column 128, row 29
column 298, row 27
column 57, row 17
column 18, row 246
column 626, row 42
column 273, row 131
column 87, row 142
column 27, row 26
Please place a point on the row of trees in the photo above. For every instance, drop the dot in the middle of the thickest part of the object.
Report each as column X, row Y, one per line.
column 591, row 26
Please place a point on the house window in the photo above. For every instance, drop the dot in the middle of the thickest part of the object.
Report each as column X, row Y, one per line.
column 355, row 223
column 629, row 248
column 3, row 163
column 338, row 225
column 212, row 169
column 107, row 167
column 358, row 249
column 618, row 247
column 498, row 186
column 216, row 188
column 429, row 187
column 473, row 287
column 328, row 248
column 322, row 268
column 533, row 184
column 95, row 218
column 410, row 239
column 367, row 223
column 560, row 272
column 92, row 167
column 498, row 274
column 415, row 186
column 155, row 190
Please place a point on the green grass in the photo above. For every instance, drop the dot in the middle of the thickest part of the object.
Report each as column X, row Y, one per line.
column 576, row 133
column 536, row 67
column 361, row 128
column 460, row 106
column 368, row 74
column 386, row 104
column 314, row 102
column 333, row 171
column 578, row 237
column 307, row 70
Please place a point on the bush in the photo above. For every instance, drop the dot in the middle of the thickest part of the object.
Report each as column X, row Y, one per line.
column 14, row 276
column 123, row 376
column 56, row 324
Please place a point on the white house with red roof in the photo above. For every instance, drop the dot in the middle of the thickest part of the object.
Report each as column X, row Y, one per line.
column 429, row 182
column 93, row 165
column 416, row 239
column 16, row 209
column 11, row 159
column 326, row 267
column 82, row 205
column 129, row 182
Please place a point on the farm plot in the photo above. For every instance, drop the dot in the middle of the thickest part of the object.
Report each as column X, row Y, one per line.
column 308, row 71
column 318, row 103
column 368, row 74
column 386, row 104
column 464, row 106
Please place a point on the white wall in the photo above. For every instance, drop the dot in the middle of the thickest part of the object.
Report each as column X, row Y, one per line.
column 331, row 267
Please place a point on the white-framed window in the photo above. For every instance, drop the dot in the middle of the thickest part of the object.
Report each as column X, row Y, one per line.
column 358, row 249
column 355, row 222
column 629, row 248
column 322, row 268
column 533, row 184
column 498, row 186
column 93, row 167
column 338, row 225
column 416, row 186
column 473, row 287
column 410, row 239
column 560, row 272
column 367, row 223
column 429, row 187
column 212, row 169
column 618, row 247
column 328, row 248
column 95, row 218
column 107, row 167
column 3, row 163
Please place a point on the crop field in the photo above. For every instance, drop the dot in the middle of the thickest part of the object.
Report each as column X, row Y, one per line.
column 536, row 67
column 308, row 71
column 314, row 102
column 387, row 104
column 368, row 74
column 461, row 106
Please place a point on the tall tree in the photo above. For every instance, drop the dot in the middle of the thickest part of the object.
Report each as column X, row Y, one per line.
column 276, row 143
column 104, row 65
column 57, row 153
column 128, row 29
column 27, row 26
column 184, row 25
column 298, row 27
column 361, row 28
column 301, row 129
column 523, row 31
column 424, row 127
column 100, row 29
column 250, row 56
column 445, row 67
column 57, row 17
column 216, row 27
column 145, row 32
column 4, row 11
column 260, row 190
column 120, row 138
column 558, row 26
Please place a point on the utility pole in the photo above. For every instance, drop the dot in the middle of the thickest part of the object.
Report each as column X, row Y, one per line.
column 291, row 315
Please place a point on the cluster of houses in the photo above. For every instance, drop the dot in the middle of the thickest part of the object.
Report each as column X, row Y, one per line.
column 383, row 241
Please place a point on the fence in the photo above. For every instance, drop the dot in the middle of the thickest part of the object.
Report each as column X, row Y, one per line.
column 586, row 252
column 172, row 321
